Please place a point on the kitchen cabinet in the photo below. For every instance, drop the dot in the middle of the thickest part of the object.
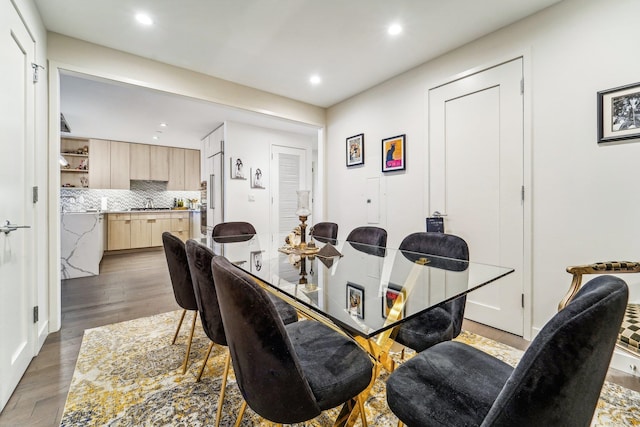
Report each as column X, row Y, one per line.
column 192, row 170
column 149, row 162
column 120, row 165
column 184, row 169
column 158, row 163
column 139, row 166
column 180, row 225
column 176, row 169
column 110, row 161
column 144, row 229
column 118, row 231
column 147, row 229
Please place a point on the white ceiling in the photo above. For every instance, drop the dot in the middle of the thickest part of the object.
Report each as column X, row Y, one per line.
column 276, row 45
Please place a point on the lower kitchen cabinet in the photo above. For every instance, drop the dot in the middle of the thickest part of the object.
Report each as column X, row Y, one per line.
column 118, row 231
column 144, row 230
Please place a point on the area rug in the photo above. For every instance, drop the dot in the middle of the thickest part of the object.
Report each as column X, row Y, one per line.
column 128, row 374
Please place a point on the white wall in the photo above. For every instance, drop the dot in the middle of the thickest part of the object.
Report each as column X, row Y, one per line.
column 583, row 202
column 253, row 145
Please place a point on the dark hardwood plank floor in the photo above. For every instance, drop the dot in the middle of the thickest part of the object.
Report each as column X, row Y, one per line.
column 129, row 286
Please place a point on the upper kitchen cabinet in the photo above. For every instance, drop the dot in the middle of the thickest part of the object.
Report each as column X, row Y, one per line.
column 110, row 161
column 149, row 162
column 184, row 169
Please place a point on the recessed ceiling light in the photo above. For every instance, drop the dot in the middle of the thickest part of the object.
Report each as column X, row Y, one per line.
column 164, row 125
column 394, row 29
column 144, row 19
column 156, row 137
column 315, row 79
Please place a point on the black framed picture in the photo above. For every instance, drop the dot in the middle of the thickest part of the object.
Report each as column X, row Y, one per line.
column 619, row 114
column 355, row 150
column 355, row 300
column 392, row 294
column 394, row 153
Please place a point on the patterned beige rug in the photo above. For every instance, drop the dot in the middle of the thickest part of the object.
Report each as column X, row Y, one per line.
column 128, row 374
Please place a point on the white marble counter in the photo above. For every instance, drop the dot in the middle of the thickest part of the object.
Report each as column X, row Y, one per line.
column 81, row 243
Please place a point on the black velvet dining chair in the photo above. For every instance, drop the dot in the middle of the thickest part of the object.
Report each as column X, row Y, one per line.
column 556, row 383
column 443, row 322
column 199, row 258
column 368, row 239
column 286, row 373
column 233, row 231
column 325, row 232
column 174, row 251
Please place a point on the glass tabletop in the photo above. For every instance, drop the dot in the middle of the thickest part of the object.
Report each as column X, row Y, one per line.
column 363, row 289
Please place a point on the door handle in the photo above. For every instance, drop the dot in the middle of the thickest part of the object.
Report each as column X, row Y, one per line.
column 437, row 214
column 7, row 227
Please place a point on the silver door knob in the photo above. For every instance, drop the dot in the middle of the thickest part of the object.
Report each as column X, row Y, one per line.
column 7, row 227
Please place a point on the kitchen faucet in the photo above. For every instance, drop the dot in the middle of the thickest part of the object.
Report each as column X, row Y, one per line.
column 148, row 204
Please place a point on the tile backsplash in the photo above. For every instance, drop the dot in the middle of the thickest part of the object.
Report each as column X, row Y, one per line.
column 119, row 200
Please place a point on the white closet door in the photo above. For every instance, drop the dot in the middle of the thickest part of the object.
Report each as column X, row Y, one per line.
column 289, row 175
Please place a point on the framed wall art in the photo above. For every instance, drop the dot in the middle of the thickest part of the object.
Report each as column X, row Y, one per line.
column 257, row 180
column 355, row 150
column 394, row 153
column 619, row 114
column 392, row 294
column 237, row 168
column 355, row 300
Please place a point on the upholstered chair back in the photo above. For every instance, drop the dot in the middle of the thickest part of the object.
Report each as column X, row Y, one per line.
column 264, row 361
column 325, row 232
column 443, row 322
column 175, row 252
column 368, row 239
column 560, row 376
column 234, row 231
column 199, row 258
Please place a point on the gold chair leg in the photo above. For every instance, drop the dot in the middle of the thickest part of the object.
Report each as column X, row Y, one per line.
column 204, row 364
column 186, row 356
column 223, row 387
column 363, row 416
column 184, row 311
column 241, row 414
column 400, row 423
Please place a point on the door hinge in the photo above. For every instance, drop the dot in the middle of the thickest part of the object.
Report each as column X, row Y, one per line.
column 522, row 86
column 35, row 314
column 522, row 194
column 522, row 300
column 35, row 71
column 35, row 194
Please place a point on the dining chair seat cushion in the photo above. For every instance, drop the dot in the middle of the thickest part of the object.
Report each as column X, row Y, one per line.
column 335, row 367
column 462, row 380
column 427, row 329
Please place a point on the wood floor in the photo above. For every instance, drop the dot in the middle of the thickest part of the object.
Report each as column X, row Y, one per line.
column 129, row 286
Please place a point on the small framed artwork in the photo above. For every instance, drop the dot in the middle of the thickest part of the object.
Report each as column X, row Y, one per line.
column 394, row 153
column 355, row 150
column 392, row 294
column 256, row 178
column 256, row 261
column 355, row 300
column 619, row 114
column 237, row 169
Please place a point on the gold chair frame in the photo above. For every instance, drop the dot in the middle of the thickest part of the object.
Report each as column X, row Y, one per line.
column 610, row 267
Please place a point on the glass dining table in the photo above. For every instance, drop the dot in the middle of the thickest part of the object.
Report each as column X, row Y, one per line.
column 363, row 291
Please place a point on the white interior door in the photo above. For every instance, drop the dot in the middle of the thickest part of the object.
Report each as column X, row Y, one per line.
column 288, row 175
column 18, row 331
column 476, row 178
